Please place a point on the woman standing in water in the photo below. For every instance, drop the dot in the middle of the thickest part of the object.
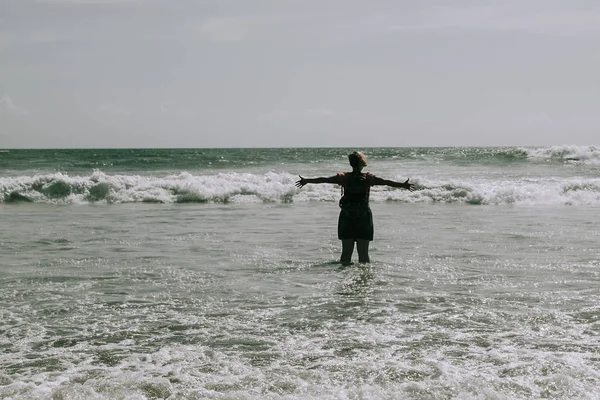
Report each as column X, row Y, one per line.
column 355, row 223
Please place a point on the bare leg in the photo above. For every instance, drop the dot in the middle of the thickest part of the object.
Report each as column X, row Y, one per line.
column 347, row 249
column 363, row 250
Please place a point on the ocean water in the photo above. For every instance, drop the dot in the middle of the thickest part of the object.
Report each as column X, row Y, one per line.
column 206, row 274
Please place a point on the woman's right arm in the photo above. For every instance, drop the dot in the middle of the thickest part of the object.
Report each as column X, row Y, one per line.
column 331, row 179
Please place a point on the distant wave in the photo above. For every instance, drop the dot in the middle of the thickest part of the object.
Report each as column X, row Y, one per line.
column 506, row 155
column 565, row 153
column 232, row 187
column 160, row 161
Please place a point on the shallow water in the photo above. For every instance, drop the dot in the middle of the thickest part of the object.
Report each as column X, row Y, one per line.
column 244, row 301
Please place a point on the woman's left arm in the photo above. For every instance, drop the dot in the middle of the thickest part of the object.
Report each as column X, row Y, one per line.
column 386, row 182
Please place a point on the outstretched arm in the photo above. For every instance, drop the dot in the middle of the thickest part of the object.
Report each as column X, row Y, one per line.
column 386, row 182
column 303, row 181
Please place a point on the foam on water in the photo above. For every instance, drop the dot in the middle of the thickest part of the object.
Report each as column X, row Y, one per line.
column 567, row 153
column 270, row 325
column 353, row 345
column 234, row 187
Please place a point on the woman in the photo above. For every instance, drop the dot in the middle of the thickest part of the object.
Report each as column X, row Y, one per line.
column 355, row 223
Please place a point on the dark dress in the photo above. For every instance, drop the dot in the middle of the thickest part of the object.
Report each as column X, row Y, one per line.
column 356, row 220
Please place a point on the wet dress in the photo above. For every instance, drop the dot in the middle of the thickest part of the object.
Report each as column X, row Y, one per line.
column 356, row 220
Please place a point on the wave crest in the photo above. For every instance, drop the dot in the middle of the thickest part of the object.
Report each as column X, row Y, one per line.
column 274, row 187
column 181, row 188
column 566, row 153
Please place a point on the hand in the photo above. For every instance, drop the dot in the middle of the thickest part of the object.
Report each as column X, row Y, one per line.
column 409, row 186
column 300, row 183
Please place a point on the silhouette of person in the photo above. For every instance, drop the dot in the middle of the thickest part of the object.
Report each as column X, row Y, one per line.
column 355, row 223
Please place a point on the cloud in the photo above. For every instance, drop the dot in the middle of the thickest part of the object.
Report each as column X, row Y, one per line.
column 167, row 109
column 91, row 2
column 237, row 28
column 35, row 38
column 286, row 115
column 47, row 37
column 8, row 106
column 530, row 17
column 114, row 109
column 226, row 29
column 319, row 113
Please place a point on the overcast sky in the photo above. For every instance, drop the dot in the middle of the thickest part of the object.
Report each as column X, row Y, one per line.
column 272, row 73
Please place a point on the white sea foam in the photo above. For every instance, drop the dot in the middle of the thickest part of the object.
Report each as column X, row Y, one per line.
column 585, row 154
column 219, row 304
column 233, row 187
column 201, row 372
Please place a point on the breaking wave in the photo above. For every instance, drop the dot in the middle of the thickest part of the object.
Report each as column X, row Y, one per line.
column 233, row 187
column 565, row 153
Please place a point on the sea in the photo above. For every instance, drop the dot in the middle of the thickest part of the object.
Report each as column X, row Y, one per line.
column 207, row 274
